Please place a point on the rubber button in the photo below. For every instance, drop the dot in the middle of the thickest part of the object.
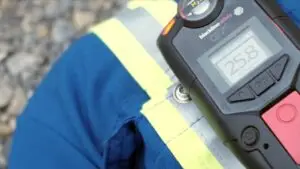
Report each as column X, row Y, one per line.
column 287, row 113
column 250, row 136
column 244, row 94
column 284, row 121
column 278, row 68
column 261, row 83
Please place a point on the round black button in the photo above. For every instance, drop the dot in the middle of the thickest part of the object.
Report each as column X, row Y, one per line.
column 197, row 13
column 250, row 136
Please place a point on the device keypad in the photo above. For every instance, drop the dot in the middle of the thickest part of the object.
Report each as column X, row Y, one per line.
column 278, row 68
column 261, row 83
column 244, row 94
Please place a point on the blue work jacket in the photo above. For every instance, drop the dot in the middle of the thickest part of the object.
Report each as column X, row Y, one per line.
column 86, row 115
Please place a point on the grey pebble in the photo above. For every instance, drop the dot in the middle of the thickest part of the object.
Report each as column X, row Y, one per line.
column 3, row 159
column 27, row 24
column 10, row 32
column 3, row 162
column 5, row 48
column 42, row 48
column 37, row 14
column 38, row 2
column 22, row 61
column 4, row 118
column 52, row 9
column 16, row 43
column 42, row 30
column 22, row 8
column 7, row 147
column 57, row 8
column 18, row 102
column 6, row 91
column 30, row 79
column 12, row 123
column 62, row 31
column 82, row 5
column 29, row 41
column 83, row 19
column 65, row 5
column 5, row 130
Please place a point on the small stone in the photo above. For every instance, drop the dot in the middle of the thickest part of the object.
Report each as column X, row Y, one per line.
column 18, row 102
column 12, row 123
column 26, row 24
column 57, row 8
column 62, row 31
column 38, row 2
column 52, row 9
column 3, row 162
column 4, row 50
column 30, row 93
column 42, row 47
column 22, row 61
column 5, row 130
column 22, row 8
column 107, row 5
column 65, row 46
column 6, row 91
column 7, row 3
column 29, row 41
column 10, row 31
column 53, row 52
column 7, row 147
column 65, row 5
column 42, row 30
column 30, row 79
column 83, row 19
column 4, row 118
column 81, row 5
column 37, row 14
column 3, row 55
column 6, row 94
column 16, row 43
column 95, row 6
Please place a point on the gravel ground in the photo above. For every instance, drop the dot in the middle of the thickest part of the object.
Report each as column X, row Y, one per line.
column 33, row 33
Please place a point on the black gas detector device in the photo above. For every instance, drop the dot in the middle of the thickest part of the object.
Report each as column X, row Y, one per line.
column 240, row 60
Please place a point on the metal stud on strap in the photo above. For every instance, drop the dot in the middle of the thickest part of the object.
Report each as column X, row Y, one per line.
column 181, row 94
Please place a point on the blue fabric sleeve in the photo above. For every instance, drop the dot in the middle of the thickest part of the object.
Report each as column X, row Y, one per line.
column 70, row 120
column 292, row 8
column 76, row 110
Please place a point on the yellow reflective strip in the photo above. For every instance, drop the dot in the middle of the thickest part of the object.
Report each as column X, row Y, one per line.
column 171, row 126
column 192, row 152
column 166, row 120
column 183, row 142
column 162, row 11
column 134, row 57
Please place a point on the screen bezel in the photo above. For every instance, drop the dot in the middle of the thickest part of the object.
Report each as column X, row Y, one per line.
column 264, row 36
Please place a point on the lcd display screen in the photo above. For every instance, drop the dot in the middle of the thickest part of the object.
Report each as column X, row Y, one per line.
column 240, row 56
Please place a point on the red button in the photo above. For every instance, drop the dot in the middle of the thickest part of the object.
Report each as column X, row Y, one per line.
column 287, row 113
column 283, row 119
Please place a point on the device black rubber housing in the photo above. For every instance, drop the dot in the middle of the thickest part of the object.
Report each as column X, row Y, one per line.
column 266, row 152
column 177, row 64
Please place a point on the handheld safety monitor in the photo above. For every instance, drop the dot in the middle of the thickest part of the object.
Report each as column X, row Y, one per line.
column 240, row 60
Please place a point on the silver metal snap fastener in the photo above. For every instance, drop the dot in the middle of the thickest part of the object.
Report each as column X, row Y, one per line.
column 181, row 95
